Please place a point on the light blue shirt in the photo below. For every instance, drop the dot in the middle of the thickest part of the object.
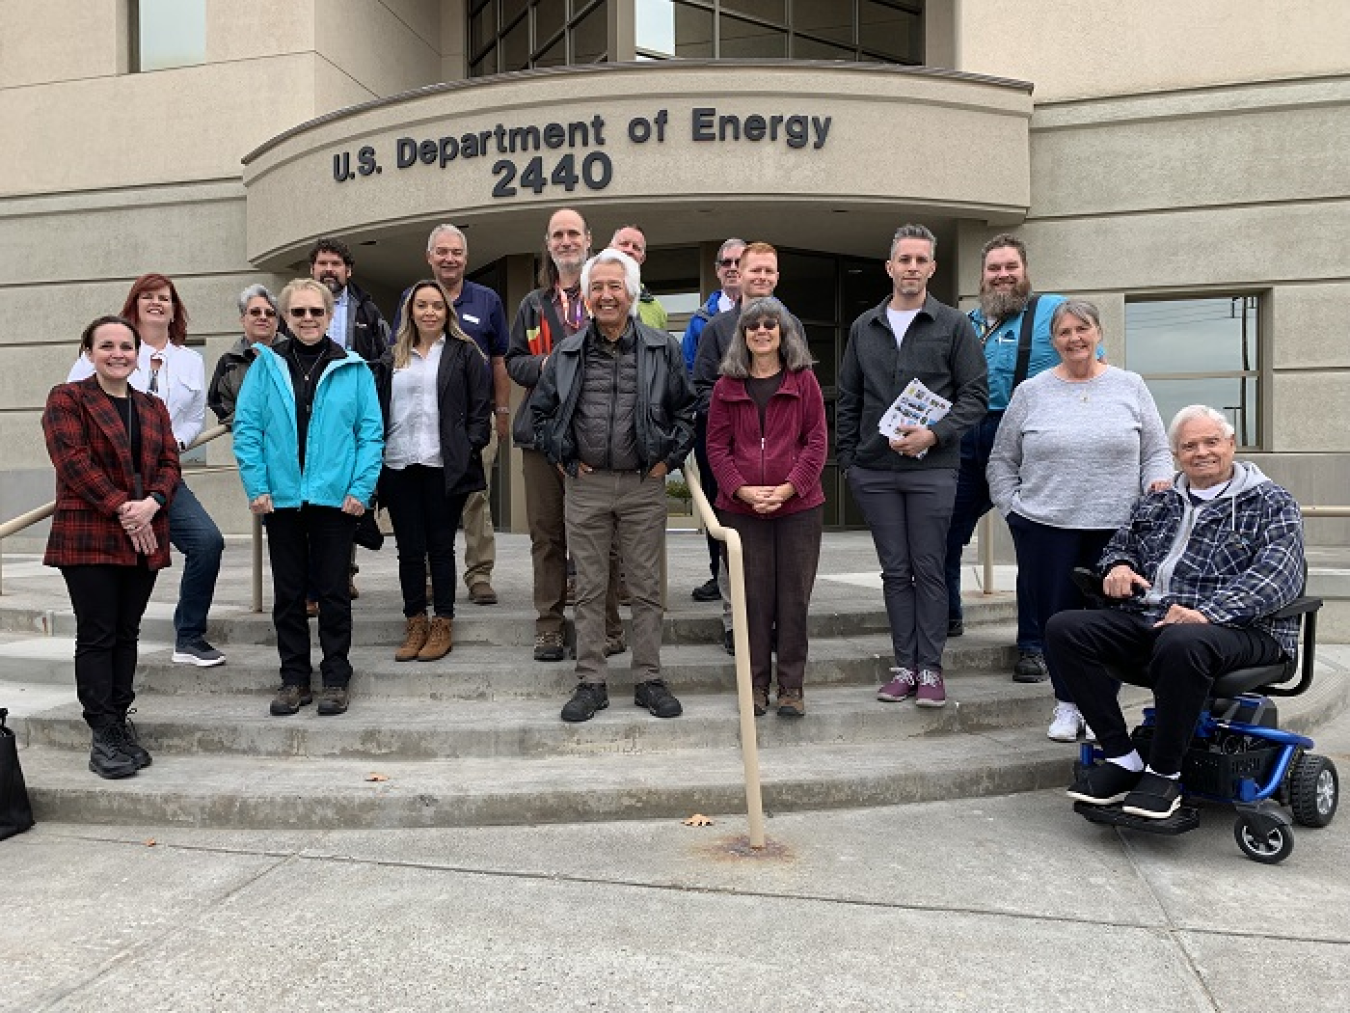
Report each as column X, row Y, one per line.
column 337, row 328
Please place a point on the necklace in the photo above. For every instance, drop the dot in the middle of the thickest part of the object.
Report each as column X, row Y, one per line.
column 307, row 401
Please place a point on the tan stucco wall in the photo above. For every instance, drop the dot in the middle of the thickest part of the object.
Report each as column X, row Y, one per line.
column 1084, row 48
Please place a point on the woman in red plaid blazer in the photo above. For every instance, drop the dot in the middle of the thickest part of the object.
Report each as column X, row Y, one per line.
column 116, row 465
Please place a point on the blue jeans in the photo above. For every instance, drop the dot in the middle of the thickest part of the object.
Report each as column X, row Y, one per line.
column 972, row 503
column 193, row 533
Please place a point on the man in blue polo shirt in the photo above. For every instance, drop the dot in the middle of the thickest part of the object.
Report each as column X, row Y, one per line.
column 1014, row 349
column 480, row 317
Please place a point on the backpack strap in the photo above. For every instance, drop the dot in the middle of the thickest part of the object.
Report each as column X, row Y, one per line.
column 1024, row 342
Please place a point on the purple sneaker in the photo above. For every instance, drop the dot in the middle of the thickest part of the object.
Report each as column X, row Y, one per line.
column 930, row 691
column 901, row 686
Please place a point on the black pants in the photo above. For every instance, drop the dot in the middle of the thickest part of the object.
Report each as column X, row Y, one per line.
column 424, row 519
column 781, row 555
column 303, row 543
column 1179, row 663
column 1046, row 558
column 109, row 602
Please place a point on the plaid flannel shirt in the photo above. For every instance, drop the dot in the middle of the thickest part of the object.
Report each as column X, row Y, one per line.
column 1243, row 558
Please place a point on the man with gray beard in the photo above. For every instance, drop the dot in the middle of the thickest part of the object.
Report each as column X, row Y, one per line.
column 1014, row 327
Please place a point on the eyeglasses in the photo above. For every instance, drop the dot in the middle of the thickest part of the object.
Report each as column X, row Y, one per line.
column 259, row 312
column 156, row 361
column 300, row 312
column 728, row 261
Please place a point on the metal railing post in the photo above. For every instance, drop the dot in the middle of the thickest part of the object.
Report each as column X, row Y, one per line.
column 754, row 802
column 987, row 551
column 257, row 563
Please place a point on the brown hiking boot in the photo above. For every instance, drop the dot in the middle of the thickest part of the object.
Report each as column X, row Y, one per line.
column 414, row 639
column 790, row 703
column 440, row 640
column 760, row 696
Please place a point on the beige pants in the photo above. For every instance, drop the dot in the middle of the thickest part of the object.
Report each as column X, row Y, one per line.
column 480, row 542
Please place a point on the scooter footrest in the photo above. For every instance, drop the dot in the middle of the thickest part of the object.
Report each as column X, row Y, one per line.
column 1184, row 819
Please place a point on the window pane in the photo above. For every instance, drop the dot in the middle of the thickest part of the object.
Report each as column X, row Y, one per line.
column 549, row 18
column 590, row 36
column 485, row 65
column 516, row 46
column 812, row 49
column 512, row 9
column 1233, row 396
column 655, row 21
column 1191, row 335
column 693, row 32
column 170, row 33
column 769, row 10
column 742, row 39
column 483, row 28
column 807, row 284
column 821, row 341
column 828, row 19
column 890, row 33
column 555, row 55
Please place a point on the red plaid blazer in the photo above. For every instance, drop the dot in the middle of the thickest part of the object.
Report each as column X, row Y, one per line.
column 90, row 448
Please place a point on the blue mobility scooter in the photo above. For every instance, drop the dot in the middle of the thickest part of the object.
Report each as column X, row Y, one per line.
column 1238, row 755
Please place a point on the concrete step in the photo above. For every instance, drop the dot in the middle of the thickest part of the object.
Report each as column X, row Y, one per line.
column 481, row 672
column 278, row 793
column 410, row 729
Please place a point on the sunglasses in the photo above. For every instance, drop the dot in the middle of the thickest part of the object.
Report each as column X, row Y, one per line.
column 767, row 324
column 300, row 312
column 256, row 312
column 728, row 261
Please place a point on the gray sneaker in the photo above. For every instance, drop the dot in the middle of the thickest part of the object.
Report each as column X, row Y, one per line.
column 199, row 653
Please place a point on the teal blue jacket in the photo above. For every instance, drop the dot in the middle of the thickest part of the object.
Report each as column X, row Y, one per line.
column 344, row 445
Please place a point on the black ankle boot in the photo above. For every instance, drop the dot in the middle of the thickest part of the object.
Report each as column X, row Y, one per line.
column 131, row 742
column 107, row 755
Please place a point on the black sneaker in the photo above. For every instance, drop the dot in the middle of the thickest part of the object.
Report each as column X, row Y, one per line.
column 587, row 698
column 108, row 757
column 955, row 628
column 729, row 642
column 1155, row 797
column 197, row 652
column 1030, row 667
column 707, row 591
column 131, row 742
column 290, row 699
column 1104, row 784
column 333, row 700
column 656, row 696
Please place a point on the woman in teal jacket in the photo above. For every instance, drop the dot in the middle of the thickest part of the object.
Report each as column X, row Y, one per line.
column 309, row 438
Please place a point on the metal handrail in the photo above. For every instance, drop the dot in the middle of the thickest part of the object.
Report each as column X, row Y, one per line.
column 754, row 802
column 38, row 514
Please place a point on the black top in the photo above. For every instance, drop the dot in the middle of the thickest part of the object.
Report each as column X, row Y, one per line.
column 306, row 366
column 126, row 411
column 761, row 389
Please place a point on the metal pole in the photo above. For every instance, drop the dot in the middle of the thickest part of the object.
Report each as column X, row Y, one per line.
column 257, row 563
column 987, row 551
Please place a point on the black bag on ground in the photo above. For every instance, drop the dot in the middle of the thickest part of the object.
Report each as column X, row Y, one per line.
column 368, row 534
column 16, row 814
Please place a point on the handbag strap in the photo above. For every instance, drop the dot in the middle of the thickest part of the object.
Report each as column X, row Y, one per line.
column 1024, row 342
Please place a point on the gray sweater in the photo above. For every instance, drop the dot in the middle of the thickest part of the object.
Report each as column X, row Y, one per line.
column 1078, row 455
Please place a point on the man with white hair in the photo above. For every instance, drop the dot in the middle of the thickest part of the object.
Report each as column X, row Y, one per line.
column 614, row 412
column 1193, row 577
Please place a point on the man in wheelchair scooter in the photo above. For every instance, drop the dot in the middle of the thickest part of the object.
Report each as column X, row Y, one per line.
column 1190, row 577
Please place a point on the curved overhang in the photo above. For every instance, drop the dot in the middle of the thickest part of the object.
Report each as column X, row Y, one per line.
column 816, row 155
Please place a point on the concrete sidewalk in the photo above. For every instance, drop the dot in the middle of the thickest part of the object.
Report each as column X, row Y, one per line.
column 1009, row 903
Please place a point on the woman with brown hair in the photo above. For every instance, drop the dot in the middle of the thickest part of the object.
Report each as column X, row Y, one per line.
column 436, row 393
column 116, row 472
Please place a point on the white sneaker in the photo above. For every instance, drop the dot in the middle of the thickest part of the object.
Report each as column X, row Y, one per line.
column 1066, row 724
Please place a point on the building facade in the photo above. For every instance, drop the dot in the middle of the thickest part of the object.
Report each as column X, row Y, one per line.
column 1186, row 167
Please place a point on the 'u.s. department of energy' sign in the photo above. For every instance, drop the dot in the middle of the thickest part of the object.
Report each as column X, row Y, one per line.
column 580, row 160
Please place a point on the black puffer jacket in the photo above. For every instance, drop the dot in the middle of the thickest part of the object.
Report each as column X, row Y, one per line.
column 604, row 423
column 664, row 419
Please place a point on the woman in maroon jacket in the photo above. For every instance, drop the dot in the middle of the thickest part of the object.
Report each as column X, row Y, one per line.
column 766, row 444
column 116, row 469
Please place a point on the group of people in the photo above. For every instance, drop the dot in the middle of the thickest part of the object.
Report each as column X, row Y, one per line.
column 333, row 411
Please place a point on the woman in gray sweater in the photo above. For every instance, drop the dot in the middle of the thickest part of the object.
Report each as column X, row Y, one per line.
column 1079, row 444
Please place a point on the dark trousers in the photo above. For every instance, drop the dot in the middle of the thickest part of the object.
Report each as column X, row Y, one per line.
column 708, row 482
column 908, row 513
column 1046, row 558
column 425, row 518
column 108, row 602
column 972, row 503
column 193, row 533
column 781, row 555
column 1179, row 663
column 311, row 542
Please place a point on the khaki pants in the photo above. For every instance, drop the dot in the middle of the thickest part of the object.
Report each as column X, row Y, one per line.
column 480, row 542
column 603, row 506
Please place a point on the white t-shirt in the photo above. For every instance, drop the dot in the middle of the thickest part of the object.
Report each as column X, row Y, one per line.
column 900, row 321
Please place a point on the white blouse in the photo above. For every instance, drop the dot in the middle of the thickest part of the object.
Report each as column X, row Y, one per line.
column 180, row 384
column 414, row 435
